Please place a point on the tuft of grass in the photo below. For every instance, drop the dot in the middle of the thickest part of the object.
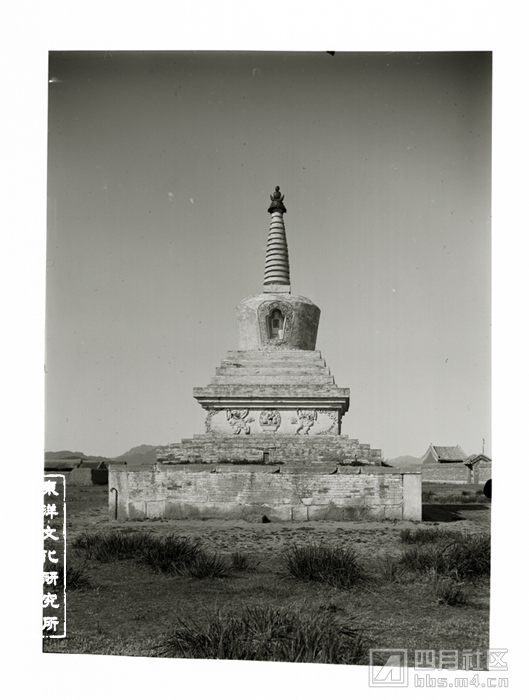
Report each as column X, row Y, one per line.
column 389, row 569
column 239, row 561
column 333, row 565
column 75, row 574
column 466, row 557
column 114, row 546
column 163, row 555
column 448, row 591
column 203, row 565
column 423, row 559
column 268, row 634
column 170, row 554
column 469, row 556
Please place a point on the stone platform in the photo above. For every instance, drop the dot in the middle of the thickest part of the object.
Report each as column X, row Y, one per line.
column 291, row 492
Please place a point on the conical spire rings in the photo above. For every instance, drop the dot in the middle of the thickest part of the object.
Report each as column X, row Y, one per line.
column 277, row 268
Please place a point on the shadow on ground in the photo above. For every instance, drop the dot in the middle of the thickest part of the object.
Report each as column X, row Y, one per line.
column 447, row 513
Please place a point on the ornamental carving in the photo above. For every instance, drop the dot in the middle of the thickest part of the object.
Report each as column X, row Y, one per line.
column 334, row 428
column 270, row 420
column 239, row 421
column 266, row 313
column 306, row 420
column 211, row 413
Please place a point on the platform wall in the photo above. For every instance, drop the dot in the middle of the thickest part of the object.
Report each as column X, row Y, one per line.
column 250, row 492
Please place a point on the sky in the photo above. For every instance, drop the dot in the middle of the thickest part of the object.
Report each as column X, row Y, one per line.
column 160, row 167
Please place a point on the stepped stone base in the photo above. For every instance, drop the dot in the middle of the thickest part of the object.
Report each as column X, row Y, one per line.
column 271, row 448
column 296, row 385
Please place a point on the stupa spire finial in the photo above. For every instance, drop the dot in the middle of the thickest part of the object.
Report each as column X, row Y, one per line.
column 277, row 202
column 277, row 268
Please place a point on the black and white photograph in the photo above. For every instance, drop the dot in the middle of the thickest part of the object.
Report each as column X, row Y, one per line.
column 268, row 392
column 294, row 495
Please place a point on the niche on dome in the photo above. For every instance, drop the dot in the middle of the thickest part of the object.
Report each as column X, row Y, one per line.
column 275, row 322
column 276, row 325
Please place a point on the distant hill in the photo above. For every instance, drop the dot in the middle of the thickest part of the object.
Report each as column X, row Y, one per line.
column 67, row 454
column 405, row 459
column 143, row 454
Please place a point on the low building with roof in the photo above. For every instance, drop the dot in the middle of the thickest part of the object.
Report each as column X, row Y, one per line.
column 449, row 464
column 480, row 466
column 436, row 454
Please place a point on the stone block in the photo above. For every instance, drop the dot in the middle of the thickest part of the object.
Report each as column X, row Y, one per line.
column 357, row 513
column 281, row 513
column 375, row 512
column 136, row 510
column 393, row 512
column 223, row 511
column 320, row 512
column 173, row 511
column 299, row 513
column 155, row 509
column 184, row 511
column 412, row 497
column 337, row 513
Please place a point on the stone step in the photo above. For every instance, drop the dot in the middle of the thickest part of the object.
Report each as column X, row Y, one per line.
column 289, row 370
column 274, row 363
column 273, row 439
column 281, row 355
column 302, row 452
column 275, row 379
column 265, row 358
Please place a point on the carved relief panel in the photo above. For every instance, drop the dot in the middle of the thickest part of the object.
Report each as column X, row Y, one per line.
column 304, row 421
column 269, row 421
column 241, row 422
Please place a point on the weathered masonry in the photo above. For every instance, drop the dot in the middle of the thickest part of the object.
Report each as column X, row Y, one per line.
column 286, row 492
column 273, row 444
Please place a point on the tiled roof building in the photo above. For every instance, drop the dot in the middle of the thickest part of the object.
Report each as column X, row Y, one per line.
column 436, row 454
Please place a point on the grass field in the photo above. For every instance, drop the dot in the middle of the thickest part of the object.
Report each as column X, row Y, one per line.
column 262, row 585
